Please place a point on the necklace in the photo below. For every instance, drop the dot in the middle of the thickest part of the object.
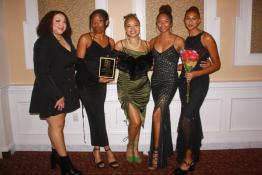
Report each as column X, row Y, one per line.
column 138, row 44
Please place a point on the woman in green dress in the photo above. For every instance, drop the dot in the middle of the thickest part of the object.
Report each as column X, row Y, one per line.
column 133, row 85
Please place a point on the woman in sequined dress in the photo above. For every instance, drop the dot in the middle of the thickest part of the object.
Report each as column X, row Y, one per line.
column 165, row 49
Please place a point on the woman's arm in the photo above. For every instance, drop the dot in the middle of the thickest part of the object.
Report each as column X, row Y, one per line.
column 42, row 65
column 83, row 43
column 179, row 67
column 112, row 43
column 83, row 69
column 210, row 44
column 152, row 43
column 179, row 45
column 119, row 45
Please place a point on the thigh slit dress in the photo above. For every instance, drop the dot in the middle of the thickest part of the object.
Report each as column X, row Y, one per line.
column 133, row 85
column 164, row 85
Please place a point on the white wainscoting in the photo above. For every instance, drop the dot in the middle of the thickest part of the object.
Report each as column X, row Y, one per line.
column 231, row 118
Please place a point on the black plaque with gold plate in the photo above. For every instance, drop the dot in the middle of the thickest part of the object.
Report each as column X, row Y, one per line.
column 107, row 67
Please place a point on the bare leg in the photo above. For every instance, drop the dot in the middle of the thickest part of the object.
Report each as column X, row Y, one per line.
column 55, row 132
column 97, row 156
column 133, row 129
column 156, row 131
column 136, row 150
column 156, row 125
column 111, row 158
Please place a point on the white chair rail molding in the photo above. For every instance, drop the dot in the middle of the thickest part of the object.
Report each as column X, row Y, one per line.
column 231, row 118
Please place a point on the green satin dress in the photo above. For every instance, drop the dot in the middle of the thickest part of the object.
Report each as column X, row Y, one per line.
column 136, row 92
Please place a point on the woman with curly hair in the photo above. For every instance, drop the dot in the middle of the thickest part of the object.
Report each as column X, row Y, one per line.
column 55, row 93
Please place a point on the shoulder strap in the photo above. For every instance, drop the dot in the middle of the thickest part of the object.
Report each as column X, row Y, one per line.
column 109, row 44
column 92, row 38
column 122, row 43
column 123, row 47
column 147, row 47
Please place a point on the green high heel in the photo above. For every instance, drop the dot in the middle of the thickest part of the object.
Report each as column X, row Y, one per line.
column 130, row 158
column 137, row 159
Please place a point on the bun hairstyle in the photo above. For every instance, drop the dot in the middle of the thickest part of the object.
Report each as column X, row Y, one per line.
column 101, row 12
column 130, row 16
column 193, row 9
column 167, row 10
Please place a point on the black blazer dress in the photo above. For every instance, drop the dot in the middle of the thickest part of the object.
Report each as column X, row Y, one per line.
column 54, row 68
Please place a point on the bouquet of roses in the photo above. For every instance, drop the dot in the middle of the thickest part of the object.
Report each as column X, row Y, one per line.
column 189, row 59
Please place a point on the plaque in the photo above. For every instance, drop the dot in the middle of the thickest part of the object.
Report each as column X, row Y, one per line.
column 107, row 67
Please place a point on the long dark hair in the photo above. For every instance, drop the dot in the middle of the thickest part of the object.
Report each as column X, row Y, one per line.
column 101, row 12
column 44, row 28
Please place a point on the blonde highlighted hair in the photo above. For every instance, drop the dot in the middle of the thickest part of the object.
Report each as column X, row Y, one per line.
column 130, row 16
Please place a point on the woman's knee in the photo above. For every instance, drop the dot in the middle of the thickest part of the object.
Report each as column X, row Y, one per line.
column 56, row 127
column 135, row 123
column 56, row 123
column 156, row 115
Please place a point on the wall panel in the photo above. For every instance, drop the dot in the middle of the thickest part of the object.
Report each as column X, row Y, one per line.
column 231, row 118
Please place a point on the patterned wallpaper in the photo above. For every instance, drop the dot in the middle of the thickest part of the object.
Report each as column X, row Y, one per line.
column 178, row 8
column 256, row 35
column 78, row 12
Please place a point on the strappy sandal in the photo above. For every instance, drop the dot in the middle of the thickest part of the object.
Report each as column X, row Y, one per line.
column 99, row 164
column 154, row 165
column 191, row 167
column 114, row 163
column 130, row 158
column 137, row 159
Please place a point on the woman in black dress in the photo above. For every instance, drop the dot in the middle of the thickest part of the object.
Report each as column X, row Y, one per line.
column 165, row 49
column 189, row 128
column 91, row 46
column 55, row 92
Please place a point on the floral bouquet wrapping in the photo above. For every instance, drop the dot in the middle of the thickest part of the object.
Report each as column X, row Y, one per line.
column 189, row 59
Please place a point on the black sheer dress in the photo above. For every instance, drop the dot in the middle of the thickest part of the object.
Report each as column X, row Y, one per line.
column 164, row 85
column 189, row 127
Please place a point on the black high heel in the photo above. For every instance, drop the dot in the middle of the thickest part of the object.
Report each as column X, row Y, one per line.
column 67, row 166
column 154, row 163
column 114, row 163
column 191, row 168
column 53, row 158
column 99, row 164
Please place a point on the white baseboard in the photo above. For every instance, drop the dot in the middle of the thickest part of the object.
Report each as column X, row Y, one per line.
column 143, row 148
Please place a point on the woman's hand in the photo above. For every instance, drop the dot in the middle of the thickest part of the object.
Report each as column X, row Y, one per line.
column 205, row 64
column 60, row 104
column 105, row 80
column 190, row 75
